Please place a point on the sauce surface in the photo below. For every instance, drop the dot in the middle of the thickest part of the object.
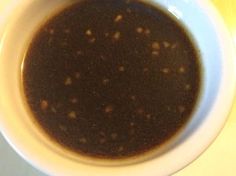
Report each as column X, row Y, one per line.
column 111, row 79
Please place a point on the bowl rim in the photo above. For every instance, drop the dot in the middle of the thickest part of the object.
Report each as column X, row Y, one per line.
column 51, row 166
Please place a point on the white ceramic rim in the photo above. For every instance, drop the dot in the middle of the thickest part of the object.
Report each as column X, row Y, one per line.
column 164, row 165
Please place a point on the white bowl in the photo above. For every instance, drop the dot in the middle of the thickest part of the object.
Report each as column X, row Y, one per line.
column 219, row 80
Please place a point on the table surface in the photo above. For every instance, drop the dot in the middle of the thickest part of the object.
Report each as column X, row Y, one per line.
column 219, row 159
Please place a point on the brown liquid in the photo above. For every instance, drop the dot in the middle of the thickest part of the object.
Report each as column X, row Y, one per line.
column 111, row 79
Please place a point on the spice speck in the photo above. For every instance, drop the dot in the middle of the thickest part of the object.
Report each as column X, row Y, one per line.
column 44, row 105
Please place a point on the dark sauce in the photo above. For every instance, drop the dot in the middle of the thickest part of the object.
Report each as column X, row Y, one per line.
column 111, row 79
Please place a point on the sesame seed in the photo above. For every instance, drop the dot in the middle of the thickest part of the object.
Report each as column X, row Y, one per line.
column 83, row 140
column 108, row 109
column 62, row 128
column 68, row 81
column 106, row 34
column 155, row 53
column 105, row 81
column 116, row 35
column 51, row 31
column 139, row 30
column 147, row 31
column 114, row 136
column 128, row 10
column 102, row 133
column 156, row 46
column 53, row 110
column 118, row 18
column 67, row 31
column 121, row 148
column 102, row 140
column 165, row 70
column 92, row 40
column 145, row 69
column 174, row 46
column 44, row 104
column 77, row 75
column 181, row 69
column 88, row 32
column 79, row 52
column 187, row 87
column 121, row 68
column 140, row 111
column 73, row 100
column 168, row 108
column 131, row 123
column 133, row 97
column 181, row 109
column 166, row 44
column 72, row 115
column 148, row 116
column 103, row 57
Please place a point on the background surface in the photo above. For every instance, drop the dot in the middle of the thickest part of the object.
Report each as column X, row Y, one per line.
column 219, row 159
